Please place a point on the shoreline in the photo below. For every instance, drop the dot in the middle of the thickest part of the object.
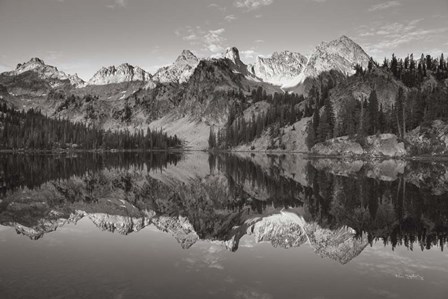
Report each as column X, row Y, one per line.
column 306, row 155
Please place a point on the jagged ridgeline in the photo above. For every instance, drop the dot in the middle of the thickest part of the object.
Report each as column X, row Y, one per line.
column 328, row 102
column 284, row 200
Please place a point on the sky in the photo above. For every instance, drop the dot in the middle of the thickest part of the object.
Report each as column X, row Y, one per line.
column 81, row 36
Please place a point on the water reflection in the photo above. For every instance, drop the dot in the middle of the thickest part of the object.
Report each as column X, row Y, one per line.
column 337, row 207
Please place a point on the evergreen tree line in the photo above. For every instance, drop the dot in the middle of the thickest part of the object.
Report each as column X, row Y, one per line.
column 368, row 117
column 413, row 72
column 31, row 171
column 283, row 110
column 32, row 130
column 281, row 192
column 419, row 216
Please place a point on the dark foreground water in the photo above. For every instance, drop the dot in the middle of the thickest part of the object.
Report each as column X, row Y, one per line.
column 221, row 226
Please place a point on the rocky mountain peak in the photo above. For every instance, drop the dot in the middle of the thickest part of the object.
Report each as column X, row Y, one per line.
column 34, row 60
column 123, row 73
column 341, row 54
column 46, row 72
column 186, row 55
column 180, row 71
column 232, row 54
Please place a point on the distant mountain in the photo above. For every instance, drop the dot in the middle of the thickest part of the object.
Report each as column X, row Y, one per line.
column 282, row 68
column 180, row 71
column 123, row 73
column 46, row 72
column 342, row 55
column 290, row 69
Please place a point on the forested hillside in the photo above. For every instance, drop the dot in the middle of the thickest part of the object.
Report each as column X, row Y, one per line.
column 396, row 97
column 32, row 130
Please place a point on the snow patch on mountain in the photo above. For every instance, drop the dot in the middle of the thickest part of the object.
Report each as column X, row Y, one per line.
column 282, row 68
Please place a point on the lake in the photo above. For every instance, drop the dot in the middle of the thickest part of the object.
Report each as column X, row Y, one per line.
column 199, row 225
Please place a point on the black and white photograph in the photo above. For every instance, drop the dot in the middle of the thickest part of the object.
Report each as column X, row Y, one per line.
column 223, row 149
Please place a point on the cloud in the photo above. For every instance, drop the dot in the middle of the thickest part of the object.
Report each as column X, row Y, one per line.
column 252, row 4
column 217, row 6
column 190, row 37
column 208, row 40
column 248, row 54
column 319, row 1
column 250, row 293
column 214, row 40
column 118, row 3
column 385, row 5
column 230, row 18
column 383, row 39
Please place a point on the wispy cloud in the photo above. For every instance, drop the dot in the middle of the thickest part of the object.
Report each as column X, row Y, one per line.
column 248, row 54
column 208, row 40
column 252, row 4
column 389, row 37
column 384, row 5
column 217, row 6
column 214, row 40
column 118, row 3
column 230, row 18
column 250, row 293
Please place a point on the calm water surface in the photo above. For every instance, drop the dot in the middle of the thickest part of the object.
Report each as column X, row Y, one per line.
column 194, row 225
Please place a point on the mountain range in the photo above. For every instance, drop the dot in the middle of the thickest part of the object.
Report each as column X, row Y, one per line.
column 195, row 95
column 282, row 68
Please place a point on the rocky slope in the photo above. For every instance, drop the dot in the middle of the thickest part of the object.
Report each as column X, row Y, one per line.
column 292, row 138
column 296, row 72
column 46, row 72
column 180, row 71
column 232, row 54
column 337, row 57
column 123, row 73
column 429, row 139
column 341, row 55
column 383, row 145
column 282, row 68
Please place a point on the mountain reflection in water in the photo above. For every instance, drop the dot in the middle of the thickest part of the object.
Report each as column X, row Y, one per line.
column 195, row 225
column 337, row 208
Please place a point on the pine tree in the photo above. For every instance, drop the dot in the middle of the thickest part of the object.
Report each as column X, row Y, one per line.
column 373, row 112
column 212, row 138
column 370, row 65
column 399, row 112
column 330, row 118
column 394, row 66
